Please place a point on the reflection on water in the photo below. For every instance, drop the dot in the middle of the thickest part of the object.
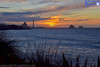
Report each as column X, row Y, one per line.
column 73, row 42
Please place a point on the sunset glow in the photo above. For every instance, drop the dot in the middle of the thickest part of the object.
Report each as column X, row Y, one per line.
column 51, row 24
column 47, row 13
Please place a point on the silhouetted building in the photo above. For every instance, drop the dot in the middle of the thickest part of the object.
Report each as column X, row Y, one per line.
column 80, row 27
column 24, row 25
column 71, row 26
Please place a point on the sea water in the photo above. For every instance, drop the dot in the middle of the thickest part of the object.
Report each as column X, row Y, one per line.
column 72, row 42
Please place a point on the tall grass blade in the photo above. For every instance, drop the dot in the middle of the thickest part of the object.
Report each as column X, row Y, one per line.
column 65, row 62
column 85, row 63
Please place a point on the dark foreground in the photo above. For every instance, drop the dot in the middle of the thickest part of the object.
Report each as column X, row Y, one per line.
column 10, row 55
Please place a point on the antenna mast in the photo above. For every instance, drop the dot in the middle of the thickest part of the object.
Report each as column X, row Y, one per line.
column 33, row 22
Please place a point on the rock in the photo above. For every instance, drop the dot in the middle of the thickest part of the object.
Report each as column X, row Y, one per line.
column 80, row 27
column 71, row 26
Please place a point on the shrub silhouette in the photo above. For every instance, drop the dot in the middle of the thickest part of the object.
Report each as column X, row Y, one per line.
column 7, row 51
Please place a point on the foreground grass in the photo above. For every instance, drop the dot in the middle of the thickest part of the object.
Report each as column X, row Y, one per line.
column 39, row 58
column 8, row 54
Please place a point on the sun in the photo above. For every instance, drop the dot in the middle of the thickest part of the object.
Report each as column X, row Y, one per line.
column 51, row 24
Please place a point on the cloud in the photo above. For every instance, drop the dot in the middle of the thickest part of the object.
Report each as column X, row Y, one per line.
column 21, row 18
column 74, row 19
column 25, row 16
column 4, row 7
column 48, row 1
column 82, row 20
column 10, row 1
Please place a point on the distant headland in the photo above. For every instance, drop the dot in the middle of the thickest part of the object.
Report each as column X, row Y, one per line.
column 17, row 27
column 25, row 26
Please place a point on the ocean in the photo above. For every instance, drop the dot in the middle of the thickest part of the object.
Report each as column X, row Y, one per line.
column 72, row 42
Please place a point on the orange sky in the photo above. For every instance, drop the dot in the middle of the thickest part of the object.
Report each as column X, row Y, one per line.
column 47, row 13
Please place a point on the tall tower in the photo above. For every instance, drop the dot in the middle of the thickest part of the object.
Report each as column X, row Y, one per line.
column 33, row 22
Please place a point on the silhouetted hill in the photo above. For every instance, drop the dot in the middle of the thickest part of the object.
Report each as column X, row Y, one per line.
column 10, row 27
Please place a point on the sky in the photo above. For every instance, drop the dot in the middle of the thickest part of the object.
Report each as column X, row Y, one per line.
column 50, row 13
